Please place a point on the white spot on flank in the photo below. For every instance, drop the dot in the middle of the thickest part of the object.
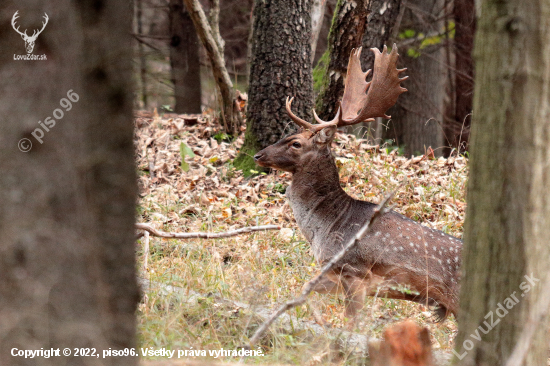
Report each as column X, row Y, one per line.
column 435, row 249
column 448, row 261
column 377, row 233
column 456, row 259
column 401, row 248
column 411, row 244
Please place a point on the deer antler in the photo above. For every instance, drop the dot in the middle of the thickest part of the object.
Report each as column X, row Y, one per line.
column 24, row 34
column 306, row 125
column 13, row 19
column 356, row 106
column 43, row 26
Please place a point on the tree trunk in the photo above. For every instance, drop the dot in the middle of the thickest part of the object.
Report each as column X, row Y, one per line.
column 141, row 52
column 417, row 117
column 507, row 227
column 280, row 68
column 457, row 129
column 184, row 59
column 383, row 16
column 346, row 33
column 67, row 248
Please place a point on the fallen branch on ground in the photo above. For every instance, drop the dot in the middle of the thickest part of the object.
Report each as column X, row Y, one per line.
column 345, row 340
column 380, row 210
column 243, row 230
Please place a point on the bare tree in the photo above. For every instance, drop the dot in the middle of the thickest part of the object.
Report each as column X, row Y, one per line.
column 184, row 59
column 67, row 253
column 505, row 290
column 211, row 40
column 141, row 53
column 457, row 127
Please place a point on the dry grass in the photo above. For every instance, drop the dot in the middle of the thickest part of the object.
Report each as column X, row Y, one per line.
column 266, row 268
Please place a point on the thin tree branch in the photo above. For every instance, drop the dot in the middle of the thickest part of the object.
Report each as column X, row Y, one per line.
column 145, row 253
column 380, row 210
column 146, row 43
column 164, row 234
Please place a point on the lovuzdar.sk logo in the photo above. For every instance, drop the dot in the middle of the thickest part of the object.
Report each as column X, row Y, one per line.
column 29, row 40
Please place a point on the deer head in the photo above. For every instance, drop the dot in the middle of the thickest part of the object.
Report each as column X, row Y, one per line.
column 29, row 40
column 362, row 102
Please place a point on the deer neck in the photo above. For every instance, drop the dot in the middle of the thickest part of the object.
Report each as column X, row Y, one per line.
column 316, row 198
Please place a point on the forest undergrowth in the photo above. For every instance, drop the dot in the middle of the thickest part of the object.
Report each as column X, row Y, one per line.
column 222, row 282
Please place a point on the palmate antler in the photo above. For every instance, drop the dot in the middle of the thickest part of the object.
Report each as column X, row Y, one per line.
column 356, row 105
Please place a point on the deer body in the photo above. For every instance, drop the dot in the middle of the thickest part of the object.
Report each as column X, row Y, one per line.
column 397, row 253
column 398, row 258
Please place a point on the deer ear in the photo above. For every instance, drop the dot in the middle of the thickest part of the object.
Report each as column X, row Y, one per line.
column 325, row 136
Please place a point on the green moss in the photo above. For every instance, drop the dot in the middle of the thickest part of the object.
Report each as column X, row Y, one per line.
column 320, row 79
column 244, row 160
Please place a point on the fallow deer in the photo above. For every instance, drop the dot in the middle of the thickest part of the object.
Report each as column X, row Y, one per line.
column 399, row 259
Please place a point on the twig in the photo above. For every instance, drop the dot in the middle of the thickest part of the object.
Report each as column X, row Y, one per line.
column 163, row 234
column 145, row 252
column 380, row 210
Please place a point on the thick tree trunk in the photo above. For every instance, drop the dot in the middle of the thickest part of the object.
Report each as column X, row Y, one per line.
column 507, row 227
column 67, row 248
column 418, row 115
column 184, row 59
column 457, row 128
column 346, row 33
column 383, row 16
column 280, row 68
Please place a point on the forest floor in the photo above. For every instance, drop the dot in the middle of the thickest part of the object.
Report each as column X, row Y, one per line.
column 220, row 282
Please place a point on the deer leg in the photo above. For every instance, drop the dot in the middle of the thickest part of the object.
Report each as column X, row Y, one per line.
column 354, row 292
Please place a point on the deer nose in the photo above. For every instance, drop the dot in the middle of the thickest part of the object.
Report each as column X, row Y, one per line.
column 258, row 156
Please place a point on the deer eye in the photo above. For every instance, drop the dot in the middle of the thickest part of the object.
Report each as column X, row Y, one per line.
column 296, row 145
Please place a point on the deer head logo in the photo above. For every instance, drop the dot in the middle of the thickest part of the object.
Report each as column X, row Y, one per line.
column 29, row 40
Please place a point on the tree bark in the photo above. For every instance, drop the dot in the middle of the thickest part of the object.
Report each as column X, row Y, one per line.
column 346, row 33
column 280, row 68
column 418, row 115
column 184, row 59
column 382, row 19
column 67, row 250
column 507, row 227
